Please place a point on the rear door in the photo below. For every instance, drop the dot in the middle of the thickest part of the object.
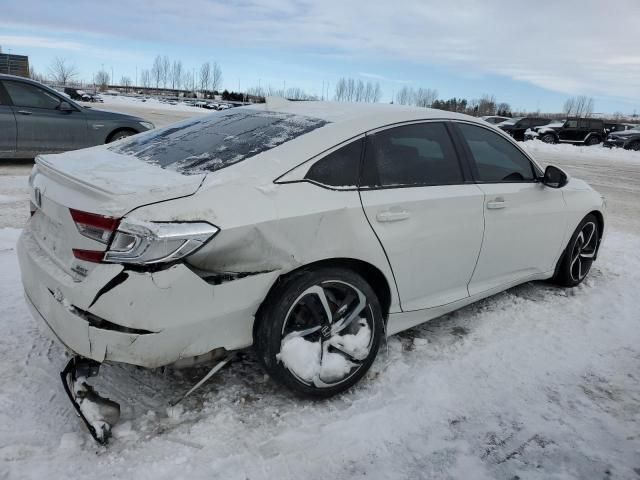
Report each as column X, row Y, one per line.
column 41, row 126
column 427, row 217
column 525, row 221
column 7, row 126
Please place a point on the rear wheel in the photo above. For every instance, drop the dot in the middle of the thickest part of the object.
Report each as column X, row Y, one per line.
column 580, row 253
column 593, row 140
column 320, row 331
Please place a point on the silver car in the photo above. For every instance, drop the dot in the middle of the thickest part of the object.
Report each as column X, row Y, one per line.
column 36, row 119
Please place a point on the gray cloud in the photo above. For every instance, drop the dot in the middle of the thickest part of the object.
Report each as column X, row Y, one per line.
column 573, row 46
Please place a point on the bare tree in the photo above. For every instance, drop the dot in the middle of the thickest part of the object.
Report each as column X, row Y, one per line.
column 126, row 83
column 35, row 75
column 62, row 71
column 145, row 78
column 205, row 76
column 156, row 71
column 341, row 87
column 578, row 107
column 187, row 80
column 176, row 74
column 216, row 76
column 102, row 80
column 166, row 71
column 424, row 97
column 405, row 96
column 486, row 105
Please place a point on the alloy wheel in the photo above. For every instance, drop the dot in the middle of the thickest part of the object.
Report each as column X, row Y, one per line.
column 334, row 323
column 548, row 138
column 584, row 251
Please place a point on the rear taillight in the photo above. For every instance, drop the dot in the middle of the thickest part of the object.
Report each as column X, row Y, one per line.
column 95, row 227
column 145, row 243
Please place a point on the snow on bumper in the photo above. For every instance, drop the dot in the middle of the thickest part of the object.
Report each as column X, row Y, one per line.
column 179, row 314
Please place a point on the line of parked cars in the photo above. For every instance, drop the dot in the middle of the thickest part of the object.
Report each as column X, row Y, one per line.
column 578, row 131
column 208, row 105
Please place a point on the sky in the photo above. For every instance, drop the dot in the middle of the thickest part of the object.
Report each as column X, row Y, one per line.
column 530, row 54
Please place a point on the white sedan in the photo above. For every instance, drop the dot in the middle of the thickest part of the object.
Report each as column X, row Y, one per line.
column 307, row 230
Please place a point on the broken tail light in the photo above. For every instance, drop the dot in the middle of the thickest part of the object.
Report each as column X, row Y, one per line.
column 144, row 243
column 96, row 227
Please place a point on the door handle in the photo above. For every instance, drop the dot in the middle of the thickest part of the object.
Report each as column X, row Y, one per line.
column 392, row 215
column 496, row 203
column 25, row 112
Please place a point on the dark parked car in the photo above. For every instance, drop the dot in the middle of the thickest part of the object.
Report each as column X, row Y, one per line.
column 586, row 131
column 629, row 139
column 36, row 119
column 544, row 132
column 81, row 95
column 517, row 126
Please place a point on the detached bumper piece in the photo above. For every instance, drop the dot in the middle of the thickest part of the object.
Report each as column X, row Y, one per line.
column 99, row 414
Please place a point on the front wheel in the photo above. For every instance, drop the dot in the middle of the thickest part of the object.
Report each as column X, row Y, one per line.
column 634, row 146
column 320, row 331
column 119, row 135
column 593, row 140
column 549, row 138
column 580, row 253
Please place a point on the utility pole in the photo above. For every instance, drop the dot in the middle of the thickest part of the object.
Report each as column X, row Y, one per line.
column 113, row 81
column 136, row 76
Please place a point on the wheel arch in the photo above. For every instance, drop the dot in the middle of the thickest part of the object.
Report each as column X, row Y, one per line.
column 372, row 274
column 118, row 130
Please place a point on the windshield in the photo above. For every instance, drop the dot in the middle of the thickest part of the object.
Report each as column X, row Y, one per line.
column 216, row 141
column 511, row 121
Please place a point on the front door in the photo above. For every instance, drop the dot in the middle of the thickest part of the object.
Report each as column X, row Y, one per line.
column 41, row 126
column 428, row 220
column 525, row 221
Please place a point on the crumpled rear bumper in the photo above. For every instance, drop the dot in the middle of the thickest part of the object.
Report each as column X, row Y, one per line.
column 173, row 314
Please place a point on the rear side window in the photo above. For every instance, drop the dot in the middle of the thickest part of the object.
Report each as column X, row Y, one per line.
column 496, row 160
column 30, row 96
column 339, row 168
column 210, row 143
column 411, row 155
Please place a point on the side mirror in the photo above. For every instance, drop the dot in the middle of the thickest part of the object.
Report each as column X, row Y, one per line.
column 554, row 177
column 65, row 107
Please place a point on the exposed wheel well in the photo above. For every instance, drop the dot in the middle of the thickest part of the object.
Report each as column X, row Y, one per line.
column 118, row 130
column 370, row 273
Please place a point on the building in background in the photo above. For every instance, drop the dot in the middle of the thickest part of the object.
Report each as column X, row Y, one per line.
column 14, row 64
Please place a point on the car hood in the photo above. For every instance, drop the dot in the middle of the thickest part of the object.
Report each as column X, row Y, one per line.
column 100, row 180
column 99, row 114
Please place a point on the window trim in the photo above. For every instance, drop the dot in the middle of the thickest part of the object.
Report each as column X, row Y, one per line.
column 464, row 172
column 44, row 88
column 538, row 172
column 5, row 99
column 320, row 156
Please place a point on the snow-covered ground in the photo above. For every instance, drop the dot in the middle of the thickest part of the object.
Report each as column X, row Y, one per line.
column 537, row 382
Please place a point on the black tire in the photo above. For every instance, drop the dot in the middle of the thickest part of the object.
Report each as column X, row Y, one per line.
column 548, row 138
column 578, row 257
column 634, row 146
column 593, row 140
column 120, row 134
column 287, row 312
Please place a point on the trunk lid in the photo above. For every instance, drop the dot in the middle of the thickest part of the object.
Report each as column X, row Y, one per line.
column 97, row 181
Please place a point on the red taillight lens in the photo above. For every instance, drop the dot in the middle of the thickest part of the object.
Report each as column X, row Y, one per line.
column 96, row 227
column 88, row 255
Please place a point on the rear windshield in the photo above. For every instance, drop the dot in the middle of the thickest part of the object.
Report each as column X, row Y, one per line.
column 210, row 143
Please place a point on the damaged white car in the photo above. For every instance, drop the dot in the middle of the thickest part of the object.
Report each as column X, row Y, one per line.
column 307, row 230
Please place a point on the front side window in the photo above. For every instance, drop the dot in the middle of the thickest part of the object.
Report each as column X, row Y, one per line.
column 29, row 96
column 340, row 168
column 495, row 159
column 210, row 143
column 411, row 155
